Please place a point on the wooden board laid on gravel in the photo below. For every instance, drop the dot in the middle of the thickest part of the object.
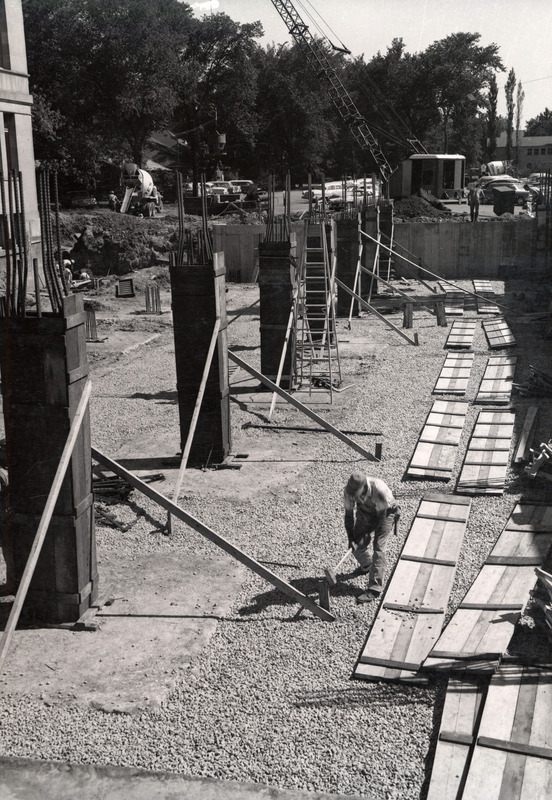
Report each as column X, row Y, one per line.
column 496, row 384
column 458, row 729
column 486, row 461
column 415, row 601
column 481, row 627
column 461, row 334
column 498, row 333
column 523, row 448
column 486, row 294
column 512, row 758
column 455, row 374
column 454, row 301
column 437, row 445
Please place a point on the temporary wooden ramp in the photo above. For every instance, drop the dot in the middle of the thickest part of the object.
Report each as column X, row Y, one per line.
column 461, row 334
column 455, row 374
column 497, row 381
column 459, row 725
column 485, row 295
column 512, row 759
column 415, row 601
column 498, row 333
column 436, row 448
column 480, row 629
column 486, row 462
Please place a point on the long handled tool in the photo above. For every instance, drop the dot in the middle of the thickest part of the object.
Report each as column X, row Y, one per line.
column 330, row 574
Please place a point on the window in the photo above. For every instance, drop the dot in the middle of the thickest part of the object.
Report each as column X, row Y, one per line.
column 529, row 151
column 5, row 62
column 549, row 151
column 543, row 151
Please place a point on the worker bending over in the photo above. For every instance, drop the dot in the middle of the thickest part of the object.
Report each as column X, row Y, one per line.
column 376, row 510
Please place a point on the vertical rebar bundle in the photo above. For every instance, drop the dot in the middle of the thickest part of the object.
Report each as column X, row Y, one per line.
column 194, row 247
column 15, row 243
column 52, row 263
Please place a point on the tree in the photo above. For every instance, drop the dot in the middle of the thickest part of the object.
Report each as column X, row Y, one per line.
column 510, row 105
column 541, row 125
column 520, row 97
column 456, row 70
column 491, row 117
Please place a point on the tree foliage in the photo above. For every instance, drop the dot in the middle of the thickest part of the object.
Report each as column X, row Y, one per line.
column 541, row 125
column 509, row 90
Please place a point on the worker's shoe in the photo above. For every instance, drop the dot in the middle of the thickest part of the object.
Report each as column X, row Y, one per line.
column 367, row 597
column 362, row 570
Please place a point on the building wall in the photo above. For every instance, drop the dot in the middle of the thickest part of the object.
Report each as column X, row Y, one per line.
column 534, row 153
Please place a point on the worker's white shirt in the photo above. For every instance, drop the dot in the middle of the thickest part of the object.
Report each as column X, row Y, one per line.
column 377, row 496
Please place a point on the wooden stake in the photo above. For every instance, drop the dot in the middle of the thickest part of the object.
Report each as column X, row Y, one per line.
column 44, row 522
column 213, row 537
column 267, row 382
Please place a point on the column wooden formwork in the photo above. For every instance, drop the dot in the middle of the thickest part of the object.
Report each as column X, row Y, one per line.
column 277, row 281
column 44, row 372
column 347, row 238
column 198, row 297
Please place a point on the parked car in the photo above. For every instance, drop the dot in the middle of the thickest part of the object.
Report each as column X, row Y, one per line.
column 521, row 193
column 78, row 199
column 242, row 186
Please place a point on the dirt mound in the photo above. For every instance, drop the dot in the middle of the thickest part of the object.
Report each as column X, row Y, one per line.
column 420, row 209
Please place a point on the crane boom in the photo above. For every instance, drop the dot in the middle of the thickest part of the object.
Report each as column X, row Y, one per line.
column 321, row 64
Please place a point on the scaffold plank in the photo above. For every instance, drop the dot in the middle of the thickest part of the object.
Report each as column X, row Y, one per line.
column 455, row 374
column 498, row 333
column 461, row 334
column 484, row 469
column 496, row 384
column 437, row 445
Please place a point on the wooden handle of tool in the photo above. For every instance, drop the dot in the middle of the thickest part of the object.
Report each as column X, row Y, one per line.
column 349, row 551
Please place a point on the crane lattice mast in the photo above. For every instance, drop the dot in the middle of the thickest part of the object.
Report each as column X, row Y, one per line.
column 321, row 64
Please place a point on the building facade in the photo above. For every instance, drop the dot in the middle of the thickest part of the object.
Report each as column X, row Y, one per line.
column 534, row 153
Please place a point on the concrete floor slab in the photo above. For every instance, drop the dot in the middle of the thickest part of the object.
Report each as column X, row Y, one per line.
column 165, row 609
column 23, row 779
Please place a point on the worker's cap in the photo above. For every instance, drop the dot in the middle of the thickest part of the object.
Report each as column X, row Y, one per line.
column 356, row 483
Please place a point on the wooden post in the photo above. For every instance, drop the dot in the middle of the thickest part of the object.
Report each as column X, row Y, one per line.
column 408, row 315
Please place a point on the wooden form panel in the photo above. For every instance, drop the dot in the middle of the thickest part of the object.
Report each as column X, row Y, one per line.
column 459, row 725
column 461, row 334
column 498, row 333
column 486, row 293
column 413, row 610
column 496, row 384
column 436, row 448
column 523, row 449
column 486, row 462
column 454, row 301
column 513, row 753
column 455, row 374
column 480, row 629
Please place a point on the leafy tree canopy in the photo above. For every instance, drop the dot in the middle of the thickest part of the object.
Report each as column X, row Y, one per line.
column 541, row 125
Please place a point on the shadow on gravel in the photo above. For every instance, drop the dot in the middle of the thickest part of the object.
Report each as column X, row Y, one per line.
column 166, row 397
column 382, row 696
column 307, row 586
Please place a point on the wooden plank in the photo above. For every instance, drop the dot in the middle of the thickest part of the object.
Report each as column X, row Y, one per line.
column 511, row 758
column 435, row 451
column 413, row 608
column 458, row 729
column 482, row 474
column 372, row 310
column 498, row 333
column 209, row 534
column 496, row 383
column 481, row 627
column 461, row 334
column 523, row 455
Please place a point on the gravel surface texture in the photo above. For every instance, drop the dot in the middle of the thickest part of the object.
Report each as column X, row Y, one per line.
column 271, row 699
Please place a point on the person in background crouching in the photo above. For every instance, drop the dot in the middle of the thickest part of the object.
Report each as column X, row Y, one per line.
column 376, row 510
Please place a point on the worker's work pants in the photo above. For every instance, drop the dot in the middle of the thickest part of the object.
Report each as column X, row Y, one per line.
column 380, row 526
column 474, row 211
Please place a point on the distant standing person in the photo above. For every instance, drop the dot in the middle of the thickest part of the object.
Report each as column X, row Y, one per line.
column 113, row 201
column 376, row 510
column 474, row 196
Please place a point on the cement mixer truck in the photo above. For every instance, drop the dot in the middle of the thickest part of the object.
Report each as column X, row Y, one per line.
column 140, row 192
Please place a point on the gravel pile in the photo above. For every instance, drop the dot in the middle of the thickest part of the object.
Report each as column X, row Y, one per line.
column 271, row 699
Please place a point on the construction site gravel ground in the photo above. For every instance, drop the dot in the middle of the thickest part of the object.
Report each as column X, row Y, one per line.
column 270, row 700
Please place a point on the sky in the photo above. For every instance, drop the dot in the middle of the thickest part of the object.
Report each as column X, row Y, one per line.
column 521, row 28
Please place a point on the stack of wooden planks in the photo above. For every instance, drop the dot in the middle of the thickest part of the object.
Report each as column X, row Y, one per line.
column 436, row 448
column 455, row 374
column 461, row 334
column 497, row 381
column 486, row 461
column 486, row 294
column 498, row 333
column 454, row 300
column 481, row 627
column 415, row 601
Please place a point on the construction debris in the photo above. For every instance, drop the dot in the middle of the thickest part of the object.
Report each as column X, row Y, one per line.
column 539, row 384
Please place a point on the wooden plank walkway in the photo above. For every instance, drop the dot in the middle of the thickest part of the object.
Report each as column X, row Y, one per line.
column 486, row 461
column 437, row 446
column 459, row 726
column 454, row 301
column 497, row 381
column 486, row 293
column 461, row 334
column 498, row 333
column 480, row 629
column 512, row 758
column 455, row 374
column 413, row 609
